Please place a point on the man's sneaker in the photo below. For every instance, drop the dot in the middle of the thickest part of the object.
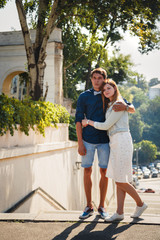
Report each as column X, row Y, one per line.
column 139, row 210
column 87, row 212
column 102, row 212
column 115, row 217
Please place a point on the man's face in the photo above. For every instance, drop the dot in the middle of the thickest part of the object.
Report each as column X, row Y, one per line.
column 97, row 80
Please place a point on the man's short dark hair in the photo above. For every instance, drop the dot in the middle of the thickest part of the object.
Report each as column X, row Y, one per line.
column 100, row 71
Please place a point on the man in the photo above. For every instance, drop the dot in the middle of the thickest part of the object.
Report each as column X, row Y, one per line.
column 90, row 105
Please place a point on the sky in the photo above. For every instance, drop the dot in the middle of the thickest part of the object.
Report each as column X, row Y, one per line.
column 148, row 65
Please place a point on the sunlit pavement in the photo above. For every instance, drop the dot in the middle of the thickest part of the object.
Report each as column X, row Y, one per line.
column 65, row 225
column 153, row 183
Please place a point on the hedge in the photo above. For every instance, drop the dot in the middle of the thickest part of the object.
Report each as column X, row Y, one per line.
column 29, row 114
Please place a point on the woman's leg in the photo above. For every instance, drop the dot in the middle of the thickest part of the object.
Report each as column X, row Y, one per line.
column 121, row 194
column 127, row 187
column 118, row 216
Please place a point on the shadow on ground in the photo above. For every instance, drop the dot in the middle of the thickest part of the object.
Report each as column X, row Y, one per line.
column 90, row 231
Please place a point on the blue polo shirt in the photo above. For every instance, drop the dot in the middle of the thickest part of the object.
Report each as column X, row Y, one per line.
column 91, row 107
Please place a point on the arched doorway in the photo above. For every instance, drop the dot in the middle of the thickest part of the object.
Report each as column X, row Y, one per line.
column 13, row 87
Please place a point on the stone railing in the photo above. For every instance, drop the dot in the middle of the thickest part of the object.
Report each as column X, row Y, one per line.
column 52, row 135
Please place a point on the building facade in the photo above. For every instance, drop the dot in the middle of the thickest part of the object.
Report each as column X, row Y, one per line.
column 13, row 61
column 154, row 91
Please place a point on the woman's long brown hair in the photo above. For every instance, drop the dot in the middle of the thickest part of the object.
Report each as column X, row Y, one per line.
column 116, row 96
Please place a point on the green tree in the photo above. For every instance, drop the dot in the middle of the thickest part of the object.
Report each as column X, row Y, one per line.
column 136, row 126
column 103, row 29
column 119, row 67
column 141, row 82
column 153, row 82
column 147, row 153
column 152, row 113
column 2, row 3
column 125, row 92
column 103, row 19
column 139, row 96
column 152, row 133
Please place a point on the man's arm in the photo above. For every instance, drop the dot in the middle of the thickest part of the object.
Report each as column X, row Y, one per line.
column 120, row 106
column 81, row 147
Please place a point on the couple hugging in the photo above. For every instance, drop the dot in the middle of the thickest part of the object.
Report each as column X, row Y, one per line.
column 102, row 125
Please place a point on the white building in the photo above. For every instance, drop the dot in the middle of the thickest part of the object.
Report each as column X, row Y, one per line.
column 154, row 91
column 13, row 62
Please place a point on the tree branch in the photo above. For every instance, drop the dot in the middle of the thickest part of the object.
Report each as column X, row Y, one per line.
column 26, row 34
column 49, row 28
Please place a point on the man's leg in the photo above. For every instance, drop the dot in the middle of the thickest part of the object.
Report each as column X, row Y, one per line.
column 87, row 161
column 103, row 151
column 88, row 185
column 103, row 184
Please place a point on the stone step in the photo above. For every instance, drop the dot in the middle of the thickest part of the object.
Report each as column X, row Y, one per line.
column 73, row 216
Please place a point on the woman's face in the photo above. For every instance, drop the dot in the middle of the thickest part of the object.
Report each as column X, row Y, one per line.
column 108, row 91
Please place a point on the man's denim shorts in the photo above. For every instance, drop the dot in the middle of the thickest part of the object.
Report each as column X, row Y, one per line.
column 103, row 151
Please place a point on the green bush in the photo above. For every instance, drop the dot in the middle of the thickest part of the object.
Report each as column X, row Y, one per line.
column 29, row 114
column 72, row 129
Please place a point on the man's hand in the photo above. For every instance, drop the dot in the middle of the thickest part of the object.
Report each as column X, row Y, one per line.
column 81, row 149
column 121, row 106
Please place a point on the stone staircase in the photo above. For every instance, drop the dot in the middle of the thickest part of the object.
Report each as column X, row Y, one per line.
column 152, row 200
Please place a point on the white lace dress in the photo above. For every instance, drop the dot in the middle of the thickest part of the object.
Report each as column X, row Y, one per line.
column 121, row 147
column 120, row 160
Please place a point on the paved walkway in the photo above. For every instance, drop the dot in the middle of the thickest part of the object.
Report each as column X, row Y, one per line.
column 65, row 225
column 73, row 216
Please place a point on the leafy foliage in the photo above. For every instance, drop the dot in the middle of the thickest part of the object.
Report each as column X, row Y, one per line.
column 136, row 126
column 89, row 28
column 94, row 28
column 152, row 113
column 72, row 129
column 2, row 3
column 153, row 82
column 147, row 153
column 125, row 92
column 152, row 133
column 29, row 114
column 139, row 97
column 144, row 123
column 151, row 116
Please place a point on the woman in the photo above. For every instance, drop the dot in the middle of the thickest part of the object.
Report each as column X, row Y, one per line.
column 121, row 150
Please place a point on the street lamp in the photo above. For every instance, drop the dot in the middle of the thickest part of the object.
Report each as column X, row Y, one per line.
column 137, row 149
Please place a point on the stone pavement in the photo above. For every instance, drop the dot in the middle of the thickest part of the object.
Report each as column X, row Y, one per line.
column 65, row 225
column 72, row 216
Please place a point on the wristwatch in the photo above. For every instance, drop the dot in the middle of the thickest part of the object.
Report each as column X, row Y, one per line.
column 127, row 107
column 87, row 121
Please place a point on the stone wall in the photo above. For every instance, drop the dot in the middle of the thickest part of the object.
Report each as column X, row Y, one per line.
column 50, row 165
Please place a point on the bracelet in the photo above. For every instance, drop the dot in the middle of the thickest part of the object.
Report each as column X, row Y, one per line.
column 88, row 121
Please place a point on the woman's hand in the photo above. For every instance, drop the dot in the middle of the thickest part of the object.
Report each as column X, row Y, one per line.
column 84, row 122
